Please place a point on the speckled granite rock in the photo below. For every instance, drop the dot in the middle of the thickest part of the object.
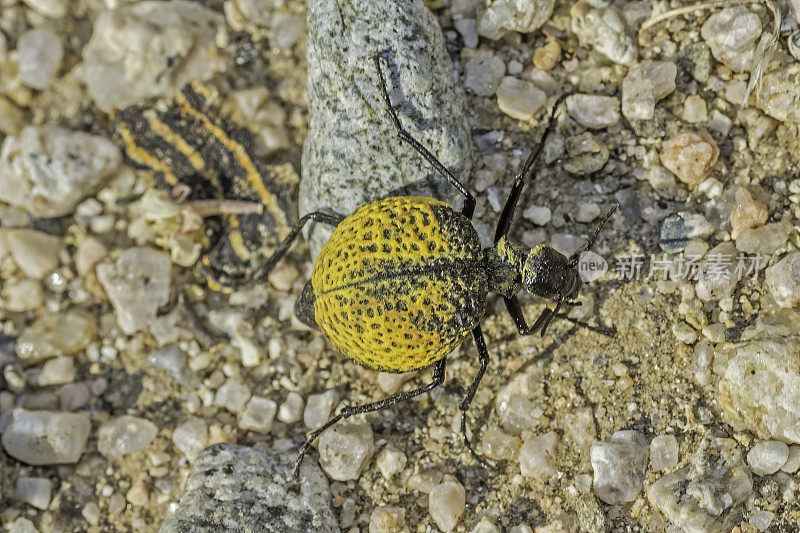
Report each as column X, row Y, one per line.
column 236, row 488
column 351, row 155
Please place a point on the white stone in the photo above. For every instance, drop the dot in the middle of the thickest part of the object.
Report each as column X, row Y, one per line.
column 482, row 75
column 90, row 252
column 258, row 415
column 22, row 525
column 761, row 520
column 646, row 83
column 39, row 54
column 34, row 252
column 150, row 49
column 468, row 28
column 767, row 457
column 190, row 437
column 47, row 170
column 606, row 31
column 520, row 99
column 499, row 445
column 619, row 467
column 594, row 111
column 55, row 334
column 124, row 435
column 35, row 491
column 719, row 122
column 581, row 427
column 793, row 461
column 137, row 284
column 390, row 382
column 664, row 452
column 732, row 34
column 503, row 15
column 538, row 457
column 91, row 512
column 387, row 519
column 694, row 109
column 138, row 495
column 232, row 395
column 587, row 211
column 539, row 215
column 690, row 155
column 318, row 408
column 57, row 371
column 446, row 503
column 345, row 450
column 783, row 280
column 485, row 526
column 49, row 8
column 424, row 480
column 22, row 295
column 291, row 410
column 390, row 461
column 46, row 437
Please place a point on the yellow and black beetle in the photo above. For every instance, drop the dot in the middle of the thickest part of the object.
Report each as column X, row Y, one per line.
column 402, row 281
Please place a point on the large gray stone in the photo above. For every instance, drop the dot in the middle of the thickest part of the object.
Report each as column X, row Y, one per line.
column 236, row 488
column 351, row 155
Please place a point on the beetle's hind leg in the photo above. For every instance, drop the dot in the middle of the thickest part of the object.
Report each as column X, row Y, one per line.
column 515, row 310
column 317, row 216
column 483, row 355
column 347, row 412
column 404, row 135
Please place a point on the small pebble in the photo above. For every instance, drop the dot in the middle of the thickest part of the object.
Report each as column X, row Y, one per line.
column 22, row 295
column 291, row 410
column 485, row 526
column 387, row 519
column 761, row 520
column 747, row 213
column 587, row 211
column 732, row 34
column 645, row 84
column 690, row 155
column 90, row 252
column 520, row 99
column 34, row 252
column 57, row 371
column 605, row 30
column 124, row 435
column 258, row 415
column 49, row 8
column 694, row 109
column 318, row 408
column 138, row 495
column 764, row 240
column 593, row 111
column 390, row 382
column 539, row 215
column 390, row 461
column 581, row 427
column 546, row 57
column 482, row 75
column 46, row 437
column 283, row 276
column 91, row 513
column 538, row 457
column 468, row 28
column 345, row 450
column 35, row 491
column 499, row 445
column 792, row 463
column 446, row 503
column 424, row 480
column 501, row 16
column 719, row 122
column 783, row 280
column 767, row 457
column 663, row 452
column 22, row 525
column 619, row 467
column 39, row 54
column 232, row 395
column 684, row 333
column 191, row 437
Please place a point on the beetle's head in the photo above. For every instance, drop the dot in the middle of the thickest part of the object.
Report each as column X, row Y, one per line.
column 549, row 274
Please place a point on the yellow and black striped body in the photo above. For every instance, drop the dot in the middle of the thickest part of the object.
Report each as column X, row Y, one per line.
column 400, row 283
column 197, row 141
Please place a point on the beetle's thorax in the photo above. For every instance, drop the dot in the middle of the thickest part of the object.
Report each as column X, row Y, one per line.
column 504, row 263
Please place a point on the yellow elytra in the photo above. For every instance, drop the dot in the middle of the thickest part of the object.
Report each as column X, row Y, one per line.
column 400, row 283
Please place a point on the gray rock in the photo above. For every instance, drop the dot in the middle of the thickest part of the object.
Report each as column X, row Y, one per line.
column 235, row 488
column 482, row 75
column 149, row 49
column 46, row 437
column 351, row 155
column 760, row 389
column 35, row 491
column 125, row 434
column 137, row 284
column 585, row 154
column 39, row 54
column 732, row 34
column 605, row 30
column 502, row 16
column 780, row 92
column 619, row 467
column 645, row 84
column 47, row 170
column 54, row 334
column 706, row 495
column 679, row 228
column 232, row 395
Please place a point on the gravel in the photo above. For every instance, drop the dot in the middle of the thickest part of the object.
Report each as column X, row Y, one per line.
column 446, row 503
column 619, row 467
column 46, row 437
column 345, row 450
column 124, row 435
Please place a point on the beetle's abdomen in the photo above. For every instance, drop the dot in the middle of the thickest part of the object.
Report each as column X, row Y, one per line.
column 400, row 283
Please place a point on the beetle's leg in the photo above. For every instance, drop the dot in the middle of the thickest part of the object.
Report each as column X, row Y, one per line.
column 483, row 356
column 347, row 412
column 469, row 200
column 515, row 310
column 519, row 181
column 318, row 216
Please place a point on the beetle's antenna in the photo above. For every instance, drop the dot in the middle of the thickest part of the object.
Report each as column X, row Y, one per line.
column 574, row 260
